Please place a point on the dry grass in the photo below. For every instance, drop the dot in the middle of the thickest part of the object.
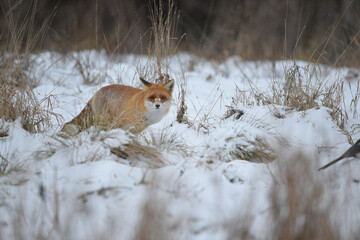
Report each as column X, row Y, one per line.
column 181, row 116
column 140, row 153
column 163, row 24
column 153, row 224
column 152, row 148
column 300, row 207
column 94, row 145
column 354, row 104
column 163, row 40
column 253, row 149
column 134, row 150
column 21, row 102
column 4, row 164
column 302, row 89
column 298, row 210
column 168, row 141
column 257, row 150
column 219, row 29
column 85, row 67
column 17, row 78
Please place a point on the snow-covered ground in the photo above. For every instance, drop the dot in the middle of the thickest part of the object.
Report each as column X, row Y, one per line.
column 198, row 186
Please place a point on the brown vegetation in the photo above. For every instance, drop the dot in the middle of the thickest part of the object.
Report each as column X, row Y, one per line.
column 303, row 29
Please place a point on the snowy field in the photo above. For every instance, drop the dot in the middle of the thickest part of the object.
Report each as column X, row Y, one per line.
column 242, row 165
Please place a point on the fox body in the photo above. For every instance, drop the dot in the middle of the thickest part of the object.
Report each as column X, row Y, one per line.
column 120, row 106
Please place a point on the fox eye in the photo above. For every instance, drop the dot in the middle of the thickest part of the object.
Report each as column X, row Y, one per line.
column 152, row 97
column 163, row 98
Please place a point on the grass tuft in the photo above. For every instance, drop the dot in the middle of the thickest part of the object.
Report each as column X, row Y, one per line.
column 167, row 141
column 139, row 153
column 257, row 150
column 21, row 102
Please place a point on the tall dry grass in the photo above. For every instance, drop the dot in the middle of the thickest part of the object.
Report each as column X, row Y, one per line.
column 307, row 30
column 17, row 77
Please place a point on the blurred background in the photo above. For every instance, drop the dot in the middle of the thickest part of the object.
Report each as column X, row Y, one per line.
column 324, row 30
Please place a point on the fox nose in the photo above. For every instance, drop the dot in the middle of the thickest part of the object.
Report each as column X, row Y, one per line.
column 157, row 105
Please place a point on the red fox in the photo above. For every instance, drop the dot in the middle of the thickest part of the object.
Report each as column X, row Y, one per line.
column 120, row 106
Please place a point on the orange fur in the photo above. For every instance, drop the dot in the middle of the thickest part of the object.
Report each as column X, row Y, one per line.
column 120, row 106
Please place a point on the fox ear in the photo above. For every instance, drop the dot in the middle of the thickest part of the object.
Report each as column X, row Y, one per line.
column 145, row 83
column 169, row 86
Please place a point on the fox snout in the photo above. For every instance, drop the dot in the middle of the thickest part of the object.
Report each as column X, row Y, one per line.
column 157, row 103
column 154, row 105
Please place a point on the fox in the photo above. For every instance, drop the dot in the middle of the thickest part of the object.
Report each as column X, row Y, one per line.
column 121, row 106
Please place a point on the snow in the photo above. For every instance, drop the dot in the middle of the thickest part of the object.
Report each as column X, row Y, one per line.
column 76, row 188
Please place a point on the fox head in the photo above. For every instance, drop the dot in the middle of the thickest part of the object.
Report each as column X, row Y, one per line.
column 157, row 96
